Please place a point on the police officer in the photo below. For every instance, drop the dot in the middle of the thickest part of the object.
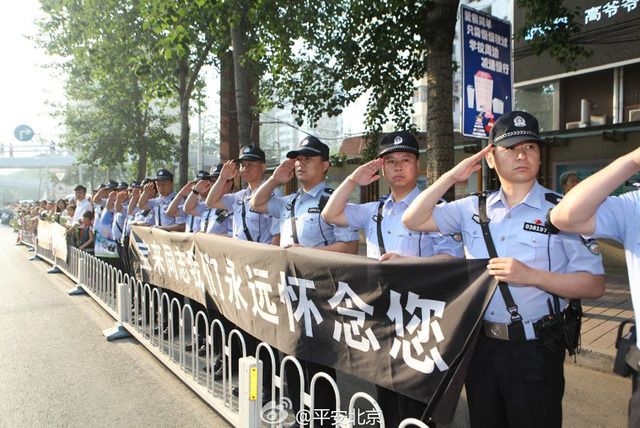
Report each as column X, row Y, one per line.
column 310, row 164
column 588, row 209
column 217, row 221
column 386, row 235
column 134, row 214
column 100, row 200
column 302, row 225
column 119, row 210
column 103, row 224
column 176, row 207
column 248, row 224
column 515, row 376
column 164, row 185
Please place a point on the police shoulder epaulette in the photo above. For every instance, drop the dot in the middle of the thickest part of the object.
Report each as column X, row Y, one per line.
column 553, row 197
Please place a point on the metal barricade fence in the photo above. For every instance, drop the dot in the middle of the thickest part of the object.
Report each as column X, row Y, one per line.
column 213, row 372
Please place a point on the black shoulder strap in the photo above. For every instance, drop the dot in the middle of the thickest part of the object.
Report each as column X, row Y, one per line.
column 245, row 228
column 379, row 227
column 512, row 308
column 294, row 232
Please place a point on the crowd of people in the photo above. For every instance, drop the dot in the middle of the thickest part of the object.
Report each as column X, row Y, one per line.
column 515, row 376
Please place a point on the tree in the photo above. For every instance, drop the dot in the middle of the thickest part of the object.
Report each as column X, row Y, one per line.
column 107, row 118
column 331, row 53
column 191, row 35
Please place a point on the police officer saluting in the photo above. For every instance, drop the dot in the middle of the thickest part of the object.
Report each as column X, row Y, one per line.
column 248, row 224
column 300, row 221
column 217, row 221
column 588, row 209
column 386, row 235
column 302, row 225
column 516, row 375
column 164, row 184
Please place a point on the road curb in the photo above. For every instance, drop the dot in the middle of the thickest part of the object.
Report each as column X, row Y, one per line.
column 592, row 359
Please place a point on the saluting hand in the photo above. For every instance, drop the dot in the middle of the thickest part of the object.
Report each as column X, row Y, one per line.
column 284, row 171
column 186, row 189
column 468, row 166
column 202, row 185
column 149, row 187
column 367, row 173
column 228, row 170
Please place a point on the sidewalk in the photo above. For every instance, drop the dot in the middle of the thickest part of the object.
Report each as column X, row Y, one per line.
column 601, row 320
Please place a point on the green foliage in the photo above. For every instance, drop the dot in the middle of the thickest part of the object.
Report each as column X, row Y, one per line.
column 108, row 119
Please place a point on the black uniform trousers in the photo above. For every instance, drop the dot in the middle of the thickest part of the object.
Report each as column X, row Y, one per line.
column 515, row 384
column 397, row 407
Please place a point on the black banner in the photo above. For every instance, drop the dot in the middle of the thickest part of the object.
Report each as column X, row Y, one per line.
column 404, row 324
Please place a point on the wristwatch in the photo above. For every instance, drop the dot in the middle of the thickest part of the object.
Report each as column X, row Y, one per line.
column 195, row 192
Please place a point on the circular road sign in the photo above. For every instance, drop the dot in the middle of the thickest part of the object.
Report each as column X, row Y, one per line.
column 23, row 133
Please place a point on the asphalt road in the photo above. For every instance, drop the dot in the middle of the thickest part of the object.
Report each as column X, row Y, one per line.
column 57, row 369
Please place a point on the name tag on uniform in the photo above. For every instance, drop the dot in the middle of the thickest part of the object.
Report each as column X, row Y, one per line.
column 537, row 228
column 314, row 210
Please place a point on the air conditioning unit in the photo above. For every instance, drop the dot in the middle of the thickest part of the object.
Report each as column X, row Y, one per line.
column 634, row 115
column 573, row 125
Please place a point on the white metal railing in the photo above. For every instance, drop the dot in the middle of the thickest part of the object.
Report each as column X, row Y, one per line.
column 142, row 314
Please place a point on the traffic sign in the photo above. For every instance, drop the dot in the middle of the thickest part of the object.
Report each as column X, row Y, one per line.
column 23, row 133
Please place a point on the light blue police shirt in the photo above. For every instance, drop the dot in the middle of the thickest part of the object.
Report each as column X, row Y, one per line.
column 160, row 205
column 618, row 218
column 311, row 228
column 519, row 232
column 262, row 227
column 118, row 222
column 396, row 237
column 212, row 220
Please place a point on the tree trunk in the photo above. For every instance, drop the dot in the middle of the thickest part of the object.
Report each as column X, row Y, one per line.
column 143, row 157
column 142, row 123
column 440, row 89
column 185, row 95
column 241, row 77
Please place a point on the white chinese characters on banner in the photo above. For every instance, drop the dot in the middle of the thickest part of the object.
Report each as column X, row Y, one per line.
column 416, row 324
column 412, row 336
column 352, row 334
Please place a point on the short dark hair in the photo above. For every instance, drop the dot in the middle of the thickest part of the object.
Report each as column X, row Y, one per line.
column 565, row 177
column 88, row 214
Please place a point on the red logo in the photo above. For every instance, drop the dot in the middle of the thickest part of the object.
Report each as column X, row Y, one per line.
column 537, row 221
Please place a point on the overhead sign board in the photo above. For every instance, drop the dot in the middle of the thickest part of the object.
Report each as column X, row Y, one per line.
column 608, row 28
column 486, row 71
column 23, row 133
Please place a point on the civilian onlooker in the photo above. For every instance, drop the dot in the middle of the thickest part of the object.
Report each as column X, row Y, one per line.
column 82, row 204
column 86, row 235
column 568, row 180
column 71, row 210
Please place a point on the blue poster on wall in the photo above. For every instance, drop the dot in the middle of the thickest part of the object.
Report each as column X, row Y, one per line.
column 486, row 71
